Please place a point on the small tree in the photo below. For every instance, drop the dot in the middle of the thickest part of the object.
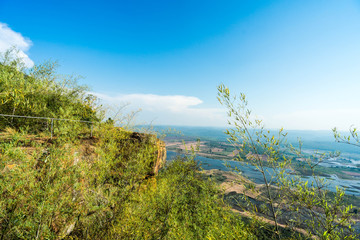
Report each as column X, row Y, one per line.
column 352, row 139
column 286, row 198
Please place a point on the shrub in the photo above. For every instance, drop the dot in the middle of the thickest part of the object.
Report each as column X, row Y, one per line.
column 41, row 92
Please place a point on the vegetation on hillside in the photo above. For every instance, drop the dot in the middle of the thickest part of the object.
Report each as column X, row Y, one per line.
column 41, row 92
column 107, row 185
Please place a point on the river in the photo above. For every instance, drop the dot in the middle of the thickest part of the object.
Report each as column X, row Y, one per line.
column 352, row 186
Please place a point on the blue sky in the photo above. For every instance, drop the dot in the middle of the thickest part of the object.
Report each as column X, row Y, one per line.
column 297, row 61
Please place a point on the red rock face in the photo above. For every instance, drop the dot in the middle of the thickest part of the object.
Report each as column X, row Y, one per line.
column 161, row 156
column 160, row 151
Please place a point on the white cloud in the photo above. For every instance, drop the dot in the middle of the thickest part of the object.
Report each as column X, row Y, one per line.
column 169, row 109
column 316, row 119
column 188, row 110
column 10, row 38
column 173, row 103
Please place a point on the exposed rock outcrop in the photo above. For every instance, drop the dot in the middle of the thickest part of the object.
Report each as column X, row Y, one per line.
column 160, row 152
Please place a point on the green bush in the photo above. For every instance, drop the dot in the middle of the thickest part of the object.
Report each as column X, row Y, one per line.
column 36, row 190
column 179, row 204
column 55, row 191
column 41, row 92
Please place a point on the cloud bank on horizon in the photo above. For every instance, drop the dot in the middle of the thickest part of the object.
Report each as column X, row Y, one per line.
column 187, row 110
column 167, row 109
column 9, row 39
column 320, row 119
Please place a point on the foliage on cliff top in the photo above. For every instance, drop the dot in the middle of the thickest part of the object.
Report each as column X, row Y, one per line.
column 100, row 187
column 41, row 92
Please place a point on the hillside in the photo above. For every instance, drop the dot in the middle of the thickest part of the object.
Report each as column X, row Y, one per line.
column 85, row 178
column 70, row 173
